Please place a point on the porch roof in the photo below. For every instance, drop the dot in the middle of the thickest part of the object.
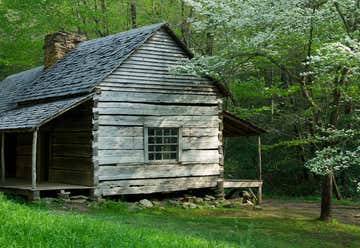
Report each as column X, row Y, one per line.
column 30, row 117
column 235, row 126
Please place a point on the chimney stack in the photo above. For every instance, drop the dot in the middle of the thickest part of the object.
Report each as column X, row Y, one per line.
column 58, row 44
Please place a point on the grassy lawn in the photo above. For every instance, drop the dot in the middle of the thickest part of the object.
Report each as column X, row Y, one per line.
column 118, row 225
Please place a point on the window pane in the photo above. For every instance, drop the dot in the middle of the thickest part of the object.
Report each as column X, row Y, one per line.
column 162, row 143
column 151, row 132
column 158, row 140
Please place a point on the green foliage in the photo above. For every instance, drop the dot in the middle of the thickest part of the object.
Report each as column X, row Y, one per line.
column 302, row 59
column 341, row 152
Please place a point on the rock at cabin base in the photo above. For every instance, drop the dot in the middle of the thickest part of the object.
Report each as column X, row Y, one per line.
column 79, row 201
column 173, row 202
column 133, row 207
column 198, row 200
column 63, row 195
column 146, row 203
column 249, row 204
column 77, row 197
column 189, row 205
column 192, row 205
column 257, row 207
column 246, row 195
column 209, row 198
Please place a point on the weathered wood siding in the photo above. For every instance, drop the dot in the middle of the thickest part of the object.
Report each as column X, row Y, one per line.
column 144, row 93
column 70, row 153
column 23, row 155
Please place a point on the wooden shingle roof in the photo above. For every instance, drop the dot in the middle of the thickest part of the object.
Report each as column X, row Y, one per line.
column 88, row 64
column 12, row 87
column 76, row 75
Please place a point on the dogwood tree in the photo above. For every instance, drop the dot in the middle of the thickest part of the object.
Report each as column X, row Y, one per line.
column 315, row 46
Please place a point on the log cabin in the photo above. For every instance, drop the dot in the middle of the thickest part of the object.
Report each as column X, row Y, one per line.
column 110, row 116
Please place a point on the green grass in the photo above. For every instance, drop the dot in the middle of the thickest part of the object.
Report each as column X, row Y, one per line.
column 114, row 224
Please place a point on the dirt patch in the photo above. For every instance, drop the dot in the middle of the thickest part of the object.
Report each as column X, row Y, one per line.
column 291, row 209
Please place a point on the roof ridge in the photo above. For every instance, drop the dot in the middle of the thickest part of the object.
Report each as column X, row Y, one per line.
column 155, row 26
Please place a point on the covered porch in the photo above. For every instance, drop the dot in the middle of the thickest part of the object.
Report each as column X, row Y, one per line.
column 36, row 150
column 24, row 187
column 236, row 127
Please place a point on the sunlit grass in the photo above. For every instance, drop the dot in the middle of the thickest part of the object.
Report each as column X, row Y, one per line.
column 114, row 224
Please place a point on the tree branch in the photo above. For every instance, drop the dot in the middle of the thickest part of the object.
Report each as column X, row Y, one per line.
column 339, row 81
column 345, row 23
column 305, row 92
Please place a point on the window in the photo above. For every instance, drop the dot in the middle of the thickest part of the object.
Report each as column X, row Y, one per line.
column 163, row 143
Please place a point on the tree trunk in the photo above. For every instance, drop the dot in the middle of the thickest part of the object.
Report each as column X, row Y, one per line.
column 326, row 196
column 105, row 17
column 133, row 13
column 185, row 25
column 209, row 44
column 336, row 188
column 97, row 21
column 327, row 189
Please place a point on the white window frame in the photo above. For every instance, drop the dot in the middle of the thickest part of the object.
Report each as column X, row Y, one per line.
column 167, row 161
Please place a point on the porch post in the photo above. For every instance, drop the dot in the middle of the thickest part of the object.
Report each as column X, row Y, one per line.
column 34, row 156
column 259, row 157
column 3, row 157
column 260, row 171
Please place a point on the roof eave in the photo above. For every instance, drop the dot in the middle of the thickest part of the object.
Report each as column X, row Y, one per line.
column 237, row 123
column 50, row 118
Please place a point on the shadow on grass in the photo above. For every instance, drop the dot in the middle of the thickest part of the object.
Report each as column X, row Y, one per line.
column 252, row 231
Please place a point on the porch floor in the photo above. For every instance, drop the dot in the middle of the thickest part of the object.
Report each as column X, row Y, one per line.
column 23, row 184
column 242, row 183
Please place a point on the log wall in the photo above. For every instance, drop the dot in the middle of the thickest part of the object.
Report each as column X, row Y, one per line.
column 23, row 155
column 70, row 154
column 143, row 92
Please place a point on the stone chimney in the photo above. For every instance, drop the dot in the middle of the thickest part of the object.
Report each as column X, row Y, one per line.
column 58, row 44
